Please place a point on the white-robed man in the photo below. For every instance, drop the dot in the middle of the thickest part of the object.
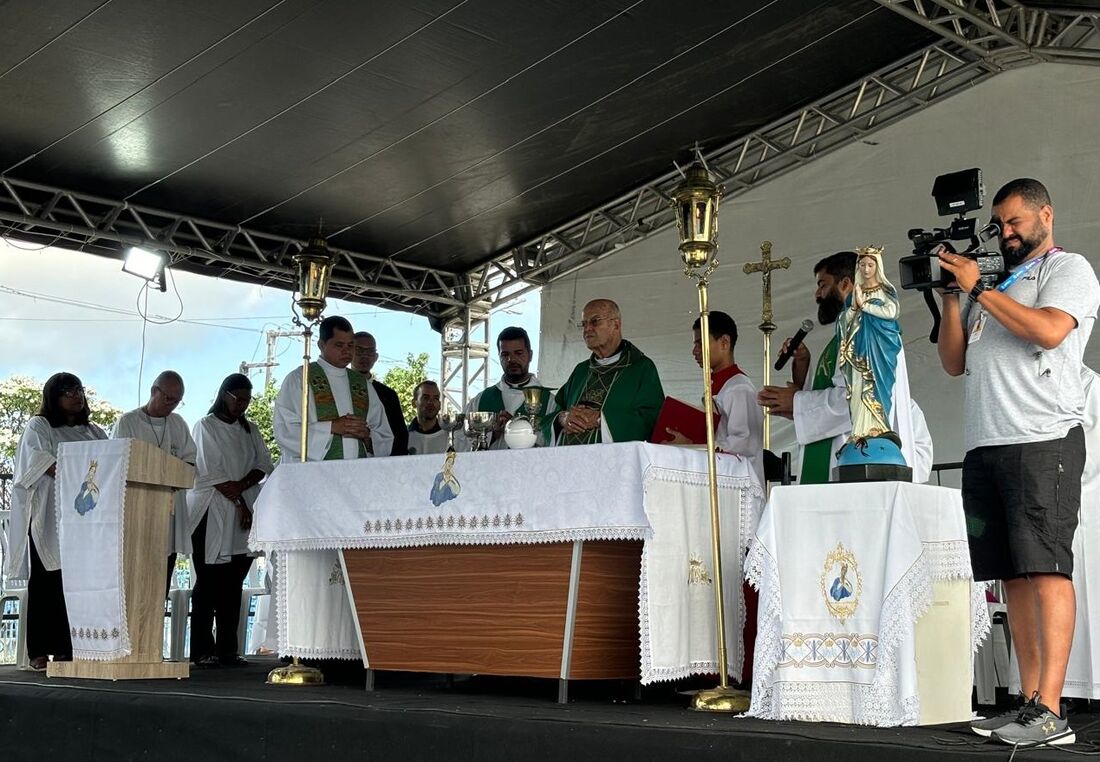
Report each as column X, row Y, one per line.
column 346, row 422
column 157, row 423
column 34, row 548
column 740, row 429
column 818, row 403
column 346, row 417
column 505, row 398
column 425, row 435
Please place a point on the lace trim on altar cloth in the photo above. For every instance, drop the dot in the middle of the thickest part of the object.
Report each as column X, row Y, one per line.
column 474, row 537
column 980, row 624
column 877, row 703
column 948, row 560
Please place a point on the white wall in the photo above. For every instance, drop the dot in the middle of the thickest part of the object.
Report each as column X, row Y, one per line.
column 1040, row 121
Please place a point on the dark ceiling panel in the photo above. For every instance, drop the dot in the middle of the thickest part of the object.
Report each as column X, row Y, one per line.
column 440, row 132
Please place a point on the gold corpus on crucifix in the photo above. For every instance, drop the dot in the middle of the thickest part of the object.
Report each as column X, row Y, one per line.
column 765, row 266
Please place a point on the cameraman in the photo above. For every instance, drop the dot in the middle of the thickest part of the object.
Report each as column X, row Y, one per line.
column 1021, row 346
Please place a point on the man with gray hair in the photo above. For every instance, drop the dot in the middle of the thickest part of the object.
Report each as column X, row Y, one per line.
column 157, row 423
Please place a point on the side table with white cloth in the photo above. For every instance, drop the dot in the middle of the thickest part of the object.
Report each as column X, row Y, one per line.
column 844, row 573
column 314, row 516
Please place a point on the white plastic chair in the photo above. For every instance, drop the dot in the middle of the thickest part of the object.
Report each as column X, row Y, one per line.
column 19, row 595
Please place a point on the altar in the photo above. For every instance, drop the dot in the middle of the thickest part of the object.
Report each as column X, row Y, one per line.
column 868, row 609
column 572, row 562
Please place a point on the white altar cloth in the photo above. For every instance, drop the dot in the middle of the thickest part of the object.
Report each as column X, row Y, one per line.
column 808, row 664
column 621, row 491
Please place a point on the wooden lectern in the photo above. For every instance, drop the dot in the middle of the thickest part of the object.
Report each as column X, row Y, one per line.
column 151, row 479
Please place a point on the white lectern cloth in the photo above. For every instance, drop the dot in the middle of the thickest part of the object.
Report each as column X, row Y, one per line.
column 91, row 495
column 843, row 578
column 629, row 490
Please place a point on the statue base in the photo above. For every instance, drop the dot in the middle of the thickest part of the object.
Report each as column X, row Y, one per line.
column 874, row 459
column 874, row 472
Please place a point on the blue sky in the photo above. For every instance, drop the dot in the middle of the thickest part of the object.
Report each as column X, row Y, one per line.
column 65, row 310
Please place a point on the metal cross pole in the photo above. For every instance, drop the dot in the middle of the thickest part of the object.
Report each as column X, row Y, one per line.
column 765, row 266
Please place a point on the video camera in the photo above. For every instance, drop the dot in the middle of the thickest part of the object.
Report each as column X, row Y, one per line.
column 955, row 193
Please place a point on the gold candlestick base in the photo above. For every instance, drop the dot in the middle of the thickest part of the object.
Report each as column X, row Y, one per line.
column 721, row 699
column 295, row 674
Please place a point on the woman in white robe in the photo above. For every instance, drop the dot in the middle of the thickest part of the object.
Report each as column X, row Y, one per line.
column 34, row 552
column 232, row 460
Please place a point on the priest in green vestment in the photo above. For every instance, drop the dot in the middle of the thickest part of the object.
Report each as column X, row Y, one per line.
column 819, row 409
column 505, row 398
column 614, row 395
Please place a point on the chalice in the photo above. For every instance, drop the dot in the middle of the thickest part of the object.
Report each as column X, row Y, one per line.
column 451, row 422
column 479, row 428
column 532, row 405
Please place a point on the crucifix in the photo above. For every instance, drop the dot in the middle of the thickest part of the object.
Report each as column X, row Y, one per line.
column 767, row 326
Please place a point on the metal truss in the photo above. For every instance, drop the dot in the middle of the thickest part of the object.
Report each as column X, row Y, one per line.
column 54, row 216
column 1009, row 32
column 465, row 347
column 980, row 43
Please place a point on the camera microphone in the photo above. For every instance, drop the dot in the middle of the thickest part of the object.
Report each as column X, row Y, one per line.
column 795, row 342
column 992, row 230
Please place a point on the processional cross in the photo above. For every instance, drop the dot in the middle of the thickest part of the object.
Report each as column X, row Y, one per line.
column 765, row 266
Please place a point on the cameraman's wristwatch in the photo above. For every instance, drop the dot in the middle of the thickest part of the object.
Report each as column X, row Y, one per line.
column 978, row 290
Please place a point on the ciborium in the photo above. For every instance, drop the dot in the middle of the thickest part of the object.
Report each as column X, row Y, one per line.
column 451, row 422
column 479, row 428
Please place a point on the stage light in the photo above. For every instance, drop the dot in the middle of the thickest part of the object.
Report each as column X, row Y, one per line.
column 146, row 264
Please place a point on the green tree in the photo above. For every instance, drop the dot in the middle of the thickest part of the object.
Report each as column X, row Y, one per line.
column 404, row 378
column 20, row 399
column 262, row 413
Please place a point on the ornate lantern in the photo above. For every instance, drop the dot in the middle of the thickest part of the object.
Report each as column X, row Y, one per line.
column 314, row 265
column 696, row 199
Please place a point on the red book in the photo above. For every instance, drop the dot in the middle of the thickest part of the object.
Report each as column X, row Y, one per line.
column 689, row 420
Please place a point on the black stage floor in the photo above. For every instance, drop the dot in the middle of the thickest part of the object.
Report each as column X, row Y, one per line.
column 230, row 714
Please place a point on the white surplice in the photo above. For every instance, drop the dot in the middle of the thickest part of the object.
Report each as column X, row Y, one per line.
column 288, row 418
column 741, row 425
column 824, row 414
column 33, row 507
column 225, row 452
column 317, row 611
column 171, row 435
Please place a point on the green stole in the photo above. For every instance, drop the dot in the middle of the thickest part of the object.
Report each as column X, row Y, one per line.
column 492, row 401
column 815, row 456
column 325, row 403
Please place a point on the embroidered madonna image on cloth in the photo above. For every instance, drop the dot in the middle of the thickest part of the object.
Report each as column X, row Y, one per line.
column 840, row 594
column 91, row 484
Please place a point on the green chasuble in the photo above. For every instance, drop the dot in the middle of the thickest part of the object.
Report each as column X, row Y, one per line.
column 325, row 403
column 627, row 392
column 815, row 456
column 491, row 400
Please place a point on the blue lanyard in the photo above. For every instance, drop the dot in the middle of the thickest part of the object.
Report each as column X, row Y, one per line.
column 1026, row 268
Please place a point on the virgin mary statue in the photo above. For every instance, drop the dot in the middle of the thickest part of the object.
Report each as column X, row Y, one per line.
column 869, row 340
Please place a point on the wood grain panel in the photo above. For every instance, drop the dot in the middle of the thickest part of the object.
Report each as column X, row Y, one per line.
column 496, row 609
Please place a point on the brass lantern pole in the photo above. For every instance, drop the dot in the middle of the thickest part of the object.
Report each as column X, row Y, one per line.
column 696, row 202
column 314, row 264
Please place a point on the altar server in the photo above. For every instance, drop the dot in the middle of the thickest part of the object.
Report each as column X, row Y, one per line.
column 741, row 422
column 34, row 552
column 232, row 460
column 425, row 436
column 157, row 423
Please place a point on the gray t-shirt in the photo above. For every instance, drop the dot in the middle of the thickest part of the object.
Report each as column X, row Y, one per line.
column 1015, row 390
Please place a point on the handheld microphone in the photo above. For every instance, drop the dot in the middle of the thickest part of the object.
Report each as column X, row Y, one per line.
column 796, row 341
